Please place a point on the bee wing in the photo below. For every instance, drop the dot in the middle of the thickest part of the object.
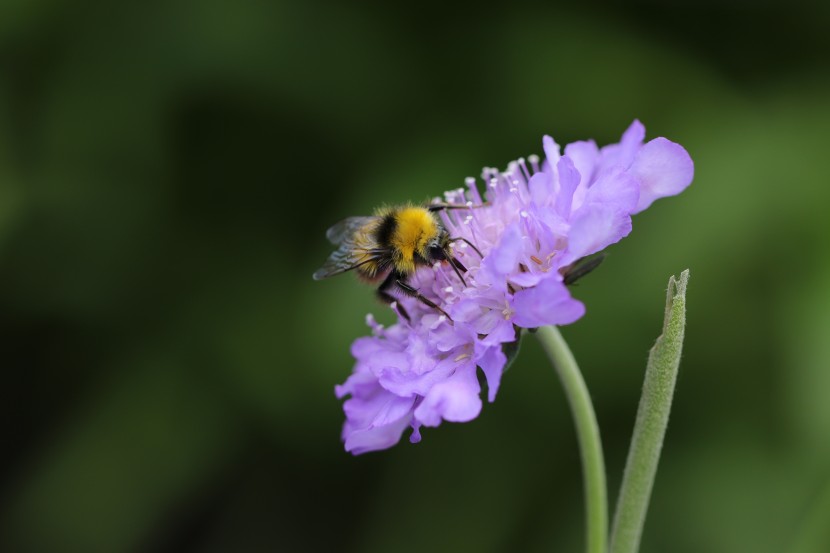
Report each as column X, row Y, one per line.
column 346, row 228
column 343, row 259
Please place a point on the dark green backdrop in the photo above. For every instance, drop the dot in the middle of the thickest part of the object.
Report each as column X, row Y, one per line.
column 167, row 173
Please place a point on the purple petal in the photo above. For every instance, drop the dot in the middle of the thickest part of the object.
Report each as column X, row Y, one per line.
column 492, row 364
column 503, row 258
column 447, row 337
column 551, row 150
column 568, row 181
column 622, row 154
column 527, row 279
column 415, row 437
column 455, row 399
column 541, row 188
column 466, row 311
column 501, row 332
column 358, row 441
column 549, row 303
column 594, row 228
column 376, row 421
column 630, row 142
column 408, row 384
column 584, row 154
column 366, row 346
column 359, row 382
column 664, row 169
column 615, row 189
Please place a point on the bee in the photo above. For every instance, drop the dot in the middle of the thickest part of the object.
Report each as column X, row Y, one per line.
column 388, row 247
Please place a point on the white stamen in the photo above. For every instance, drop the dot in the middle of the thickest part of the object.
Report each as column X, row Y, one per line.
column 523, row 213
column 448, row 289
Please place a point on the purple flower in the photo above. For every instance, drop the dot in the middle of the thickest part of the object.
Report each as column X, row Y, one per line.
column 537, row 218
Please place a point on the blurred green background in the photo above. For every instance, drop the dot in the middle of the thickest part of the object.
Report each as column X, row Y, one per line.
column 167, row 173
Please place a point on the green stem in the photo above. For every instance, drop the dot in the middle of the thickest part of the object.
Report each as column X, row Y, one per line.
column 587, row 431
column 652, row 419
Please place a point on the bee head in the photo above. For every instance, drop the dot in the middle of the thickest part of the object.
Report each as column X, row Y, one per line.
column 439, row 246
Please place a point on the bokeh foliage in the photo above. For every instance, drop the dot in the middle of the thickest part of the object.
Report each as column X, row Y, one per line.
column 168, row 170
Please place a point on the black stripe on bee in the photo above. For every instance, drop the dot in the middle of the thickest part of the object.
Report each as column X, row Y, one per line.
column 386, row 229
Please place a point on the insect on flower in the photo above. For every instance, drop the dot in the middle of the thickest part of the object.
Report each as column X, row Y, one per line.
column 536, row 228
column 388, row 247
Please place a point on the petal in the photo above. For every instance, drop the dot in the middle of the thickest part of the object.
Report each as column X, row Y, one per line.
column 502, row 332
column 408, row 384
column 551, row 150
column 447, row 337
column 375, row 419
column 366, row 346
column 631, row 140
column 541, row 188
column 455, row 400
column 584, row 154
column 358, row 383
column 617, row 189
column 594, row 228
column 622, row 154
column 527, row 279
column 503, row 258
column 415, row 437
column 492, row 364
column 466, row 310
column 568, row 180
column 548, row 303
column 664, row 169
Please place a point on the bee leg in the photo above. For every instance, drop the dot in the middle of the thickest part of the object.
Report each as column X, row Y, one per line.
column 410, row 291
column 460, row 265
column 389, row 299
column 440, row 206
column 459, row 239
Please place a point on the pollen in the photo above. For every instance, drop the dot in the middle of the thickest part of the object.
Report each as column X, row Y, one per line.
column 536, row 260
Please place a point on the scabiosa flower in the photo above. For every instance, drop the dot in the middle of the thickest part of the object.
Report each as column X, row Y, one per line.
column 536, row 218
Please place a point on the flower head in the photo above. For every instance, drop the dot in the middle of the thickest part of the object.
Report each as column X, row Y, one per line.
column 536, row 218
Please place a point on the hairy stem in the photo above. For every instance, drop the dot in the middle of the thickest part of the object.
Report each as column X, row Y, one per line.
column 587, row 431
column 650, row 426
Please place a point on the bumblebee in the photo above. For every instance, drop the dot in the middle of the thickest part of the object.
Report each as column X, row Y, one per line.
column 388, row 248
